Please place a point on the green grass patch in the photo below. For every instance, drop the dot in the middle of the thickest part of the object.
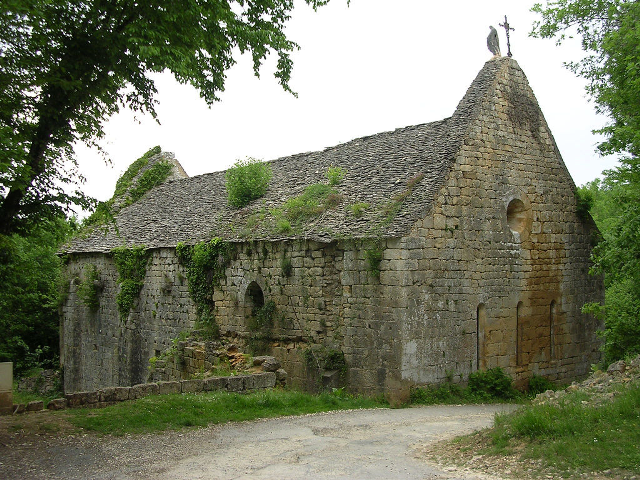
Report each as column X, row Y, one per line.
column 574, row 436
column 170, row 412
column 485, row 386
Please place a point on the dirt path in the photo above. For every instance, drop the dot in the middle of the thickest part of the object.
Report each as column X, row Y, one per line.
column 362, row 444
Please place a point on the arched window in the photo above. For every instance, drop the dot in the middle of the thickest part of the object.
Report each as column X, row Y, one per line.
column 519, row 333
column 552, row 329
column 481, row 322
column 253, row 299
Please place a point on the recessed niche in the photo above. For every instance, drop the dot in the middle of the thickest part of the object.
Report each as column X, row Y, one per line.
column 517, row 216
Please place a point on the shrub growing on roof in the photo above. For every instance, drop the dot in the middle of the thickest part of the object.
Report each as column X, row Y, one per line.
column 247, row 180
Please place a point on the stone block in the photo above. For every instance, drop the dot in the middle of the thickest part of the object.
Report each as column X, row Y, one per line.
column 215, row 384
column 167, row 388
column 143, row 390
column 81, row 399
column 19, row 408
column 35, row 406
column 235, row 383
column 57, row 404
column 281, row 376
column 270, row 364
column 260, row 381
column 107, row 394
column 192, row 386
column 121, row 394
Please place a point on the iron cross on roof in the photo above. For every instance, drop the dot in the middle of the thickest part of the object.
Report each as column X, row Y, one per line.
column 506, row 26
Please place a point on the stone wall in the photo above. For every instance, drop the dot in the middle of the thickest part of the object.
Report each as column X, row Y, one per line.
column 494, row 273
column 98, row 349
column 497, row 273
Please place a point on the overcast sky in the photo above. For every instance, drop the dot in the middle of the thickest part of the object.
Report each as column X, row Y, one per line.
column 371, row 67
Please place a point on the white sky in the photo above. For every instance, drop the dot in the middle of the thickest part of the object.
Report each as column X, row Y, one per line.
column 371, row 67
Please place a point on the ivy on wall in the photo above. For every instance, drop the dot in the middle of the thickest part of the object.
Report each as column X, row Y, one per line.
column 131, row 264
column 90, row 287
column 205, row 263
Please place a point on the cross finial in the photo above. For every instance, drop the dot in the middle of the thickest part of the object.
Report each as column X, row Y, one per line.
column 506, row 26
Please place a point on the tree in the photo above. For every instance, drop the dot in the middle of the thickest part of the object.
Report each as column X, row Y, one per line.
column 66, row 66
column 30, row 275
column 611, row 38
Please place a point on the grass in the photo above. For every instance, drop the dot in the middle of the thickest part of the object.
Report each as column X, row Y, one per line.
column 159, row 413
column 574, row 436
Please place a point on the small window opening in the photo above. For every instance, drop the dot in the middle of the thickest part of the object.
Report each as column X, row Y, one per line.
column 517, row 215
column 552, row 329
column 254, row 298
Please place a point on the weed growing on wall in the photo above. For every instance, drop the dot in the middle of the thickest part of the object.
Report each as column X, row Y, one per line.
column 247, row 180
column 131, row 264
column 392, row 208
column 373, row 256
column 358, row 209
column 89, row 288
column 335, row 175
column 286, row 267
column 205, row 264
column 104, row 212
column 152, row 177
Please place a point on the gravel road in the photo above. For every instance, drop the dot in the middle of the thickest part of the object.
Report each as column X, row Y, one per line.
column 358, row 444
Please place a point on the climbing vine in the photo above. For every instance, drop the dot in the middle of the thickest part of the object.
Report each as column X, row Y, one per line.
column 131, row 264
column 89, row 288
column 205, row 264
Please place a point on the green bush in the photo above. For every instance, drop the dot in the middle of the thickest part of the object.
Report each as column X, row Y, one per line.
column 539, row 384
column 357, row 209
column 335, row 175
column 374, row 258
column 491, row 383
column 247, row 180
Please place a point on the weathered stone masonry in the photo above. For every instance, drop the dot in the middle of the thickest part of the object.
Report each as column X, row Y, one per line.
column 484, row 262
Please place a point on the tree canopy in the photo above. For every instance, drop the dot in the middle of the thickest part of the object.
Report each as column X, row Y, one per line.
column 66, row 66
column 611, row 40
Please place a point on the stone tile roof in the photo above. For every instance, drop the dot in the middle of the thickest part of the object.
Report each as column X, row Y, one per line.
column 378, row 169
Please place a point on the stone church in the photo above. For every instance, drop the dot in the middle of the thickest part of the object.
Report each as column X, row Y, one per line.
column 437, row 250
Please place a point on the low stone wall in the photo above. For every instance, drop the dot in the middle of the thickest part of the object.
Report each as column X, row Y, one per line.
column 112, row 395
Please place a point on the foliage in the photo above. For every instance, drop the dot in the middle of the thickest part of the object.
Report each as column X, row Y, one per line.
column 335, row 175
column 205, row 263
column 584, row 202
column 247, row 180
column 31, row 279
column 315, row 199
column 286, row 267
column 66, row 66
column 393, row 206
column 539, row 384
column 358, row 208
column 131, row 264
column 611, row 39
column 326, row 359
column 89, row 288
column 484, row 386
column 125, row 193
column 492, row 383
column 373, row 256
column 616, row 210
column 173, row 412
column 574, row 436
column 261, row 325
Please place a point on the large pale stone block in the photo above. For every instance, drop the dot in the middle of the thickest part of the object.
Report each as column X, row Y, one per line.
column 6, row 388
